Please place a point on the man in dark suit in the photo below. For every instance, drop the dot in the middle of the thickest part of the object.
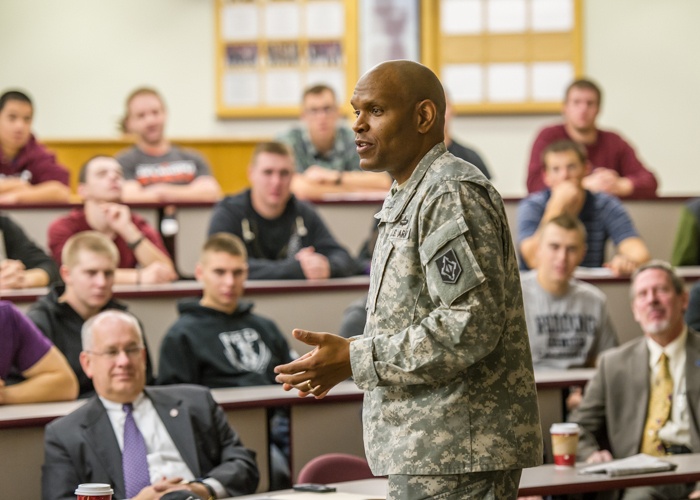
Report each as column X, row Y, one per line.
column 624, row 393
column 178, row 434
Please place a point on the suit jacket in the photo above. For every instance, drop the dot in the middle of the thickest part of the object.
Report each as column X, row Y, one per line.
column 82, row 447
column 613, row 411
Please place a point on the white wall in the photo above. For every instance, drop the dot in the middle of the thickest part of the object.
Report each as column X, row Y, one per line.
column 79, row 59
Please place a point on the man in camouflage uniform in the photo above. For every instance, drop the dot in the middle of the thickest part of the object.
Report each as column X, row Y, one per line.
column 450, row 406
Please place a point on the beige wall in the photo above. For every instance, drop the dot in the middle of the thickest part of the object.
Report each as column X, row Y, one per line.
column 79, row 58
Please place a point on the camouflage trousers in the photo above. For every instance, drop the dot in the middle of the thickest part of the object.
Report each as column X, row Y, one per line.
column 490, row 485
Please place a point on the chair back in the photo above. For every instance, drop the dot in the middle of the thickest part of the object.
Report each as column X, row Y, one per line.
column 334, row 468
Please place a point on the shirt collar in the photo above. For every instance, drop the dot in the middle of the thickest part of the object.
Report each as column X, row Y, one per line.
column 672, row 350
column 338, row 145
column 113, row 405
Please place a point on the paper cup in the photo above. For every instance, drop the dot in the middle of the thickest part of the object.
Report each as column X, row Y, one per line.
column 94, row 491
column 564, row 443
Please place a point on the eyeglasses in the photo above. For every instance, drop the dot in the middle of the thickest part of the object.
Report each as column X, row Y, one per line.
column 111, row 354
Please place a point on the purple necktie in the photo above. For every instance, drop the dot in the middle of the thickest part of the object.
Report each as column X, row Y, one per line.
column 134, row 456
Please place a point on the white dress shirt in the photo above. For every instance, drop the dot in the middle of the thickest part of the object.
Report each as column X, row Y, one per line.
column 677, row 427
column 164, row 459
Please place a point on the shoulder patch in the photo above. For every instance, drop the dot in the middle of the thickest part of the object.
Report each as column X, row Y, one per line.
column 449, row 267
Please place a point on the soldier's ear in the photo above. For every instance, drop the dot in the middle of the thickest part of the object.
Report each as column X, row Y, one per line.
column 426, row 116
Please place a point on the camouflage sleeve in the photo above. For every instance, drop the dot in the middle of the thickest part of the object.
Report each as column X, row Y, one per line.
column 469, row 271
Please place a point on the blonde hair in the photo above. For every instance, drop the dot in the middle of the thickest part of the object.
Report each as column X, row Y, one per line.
column 92, row 241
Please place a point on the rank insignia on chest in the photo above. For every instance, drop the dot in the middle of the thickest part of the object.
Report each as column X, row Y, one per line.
column 449, row 267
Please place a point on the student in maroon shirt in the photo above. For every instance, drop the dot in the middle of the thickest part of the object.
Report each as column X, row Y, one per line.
column 615, row 168
column 28, row 172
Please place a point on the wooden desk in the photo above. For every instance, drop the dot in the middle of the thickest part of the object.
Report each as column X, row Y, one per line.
column 22, row 438
column 656, row 221
column 348, row 219
column 22, row 430
column 543, row 480
column 316, row 305
column 332, row 424
column 35, row 219
column 373, row 489
column 546, row 480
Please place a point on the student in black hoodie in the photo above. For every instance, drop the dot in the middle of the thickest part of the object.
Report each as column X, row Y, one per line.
column 89, row 262
column 285, row 238
column 218, row 341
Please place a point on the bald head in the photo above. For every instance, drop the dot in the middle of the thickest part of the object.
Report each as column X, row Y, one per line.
column 400, row 109
column 413, row 82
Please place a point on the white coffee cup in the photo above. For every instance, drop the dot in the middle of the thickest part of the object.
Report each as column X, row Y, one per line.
column 564, row 443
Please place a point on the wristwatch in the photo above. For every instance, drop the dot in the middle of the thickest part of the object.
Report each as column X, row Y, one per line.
column 210, row 490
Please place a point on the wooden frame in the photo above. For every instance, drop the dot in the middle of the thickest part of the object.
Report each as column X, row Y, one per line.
column 259, row 57
column 483, row 49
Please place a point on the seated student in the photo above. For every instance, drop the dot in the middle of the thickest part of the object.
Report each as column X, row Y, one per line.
column 616, row 169
column 28, row 172
column 46, row 373
column 143, row 257
column 284, row 237
column 325, row 151
column 22, row 263
column 154, row 169
column 89, row 265
column 686, row 247
column 603, row 215
column 219, row 342
column 144, row 441
column 459, row 150
column 645, row 394
column 567, row 320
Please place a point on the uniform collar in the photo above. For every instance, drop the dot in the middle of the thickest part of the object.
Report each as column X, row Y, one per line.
column 397, row 200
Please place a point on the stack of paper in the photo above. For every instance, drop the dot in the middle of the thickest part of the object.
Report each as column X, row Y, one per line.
column 636, row 464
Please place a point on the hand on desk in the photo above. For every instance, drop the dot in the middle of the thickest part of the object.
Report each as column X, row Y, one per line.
column 166, row 485
column 599, row 456
column 157, row 272
column 620, row 265
column 11, row 274
column 318, row 371
column 314, row 265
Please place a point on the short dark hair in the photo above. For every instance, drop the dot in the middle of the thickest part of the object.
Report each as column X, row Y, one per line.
column 133, row 95
column 676, row 280
column 585, row 84
column 82, row 174
column 565, row 145
column 227, row 243
column 273, row 147
column 570, row 223
column 14, row 95
column 317, row 89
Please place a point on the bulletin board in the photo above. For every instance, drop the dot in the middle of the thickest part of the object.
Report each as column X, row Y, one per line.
column 269, row 51
column 503, row 56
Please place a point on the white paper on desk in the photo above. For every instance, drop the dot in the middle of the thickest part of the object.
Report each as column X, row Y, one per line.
column 636, row 464
column 298, row 495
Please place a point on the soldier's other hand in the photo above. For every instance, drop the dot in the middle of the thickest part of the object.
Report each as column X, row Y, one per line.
column 318, row 371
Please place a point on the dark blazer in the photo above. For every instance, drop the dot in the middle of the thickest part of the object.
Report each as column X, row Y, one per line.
column 613, row 411
column 82, row 447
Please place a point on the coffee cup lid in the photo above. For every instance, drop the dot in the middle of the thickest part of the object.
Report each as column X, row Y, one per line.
column 564, row 428
column 95, row 489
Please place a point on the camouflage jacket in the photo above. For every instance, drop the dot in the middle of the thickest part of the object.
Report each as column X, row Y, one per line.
column 445, row 358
